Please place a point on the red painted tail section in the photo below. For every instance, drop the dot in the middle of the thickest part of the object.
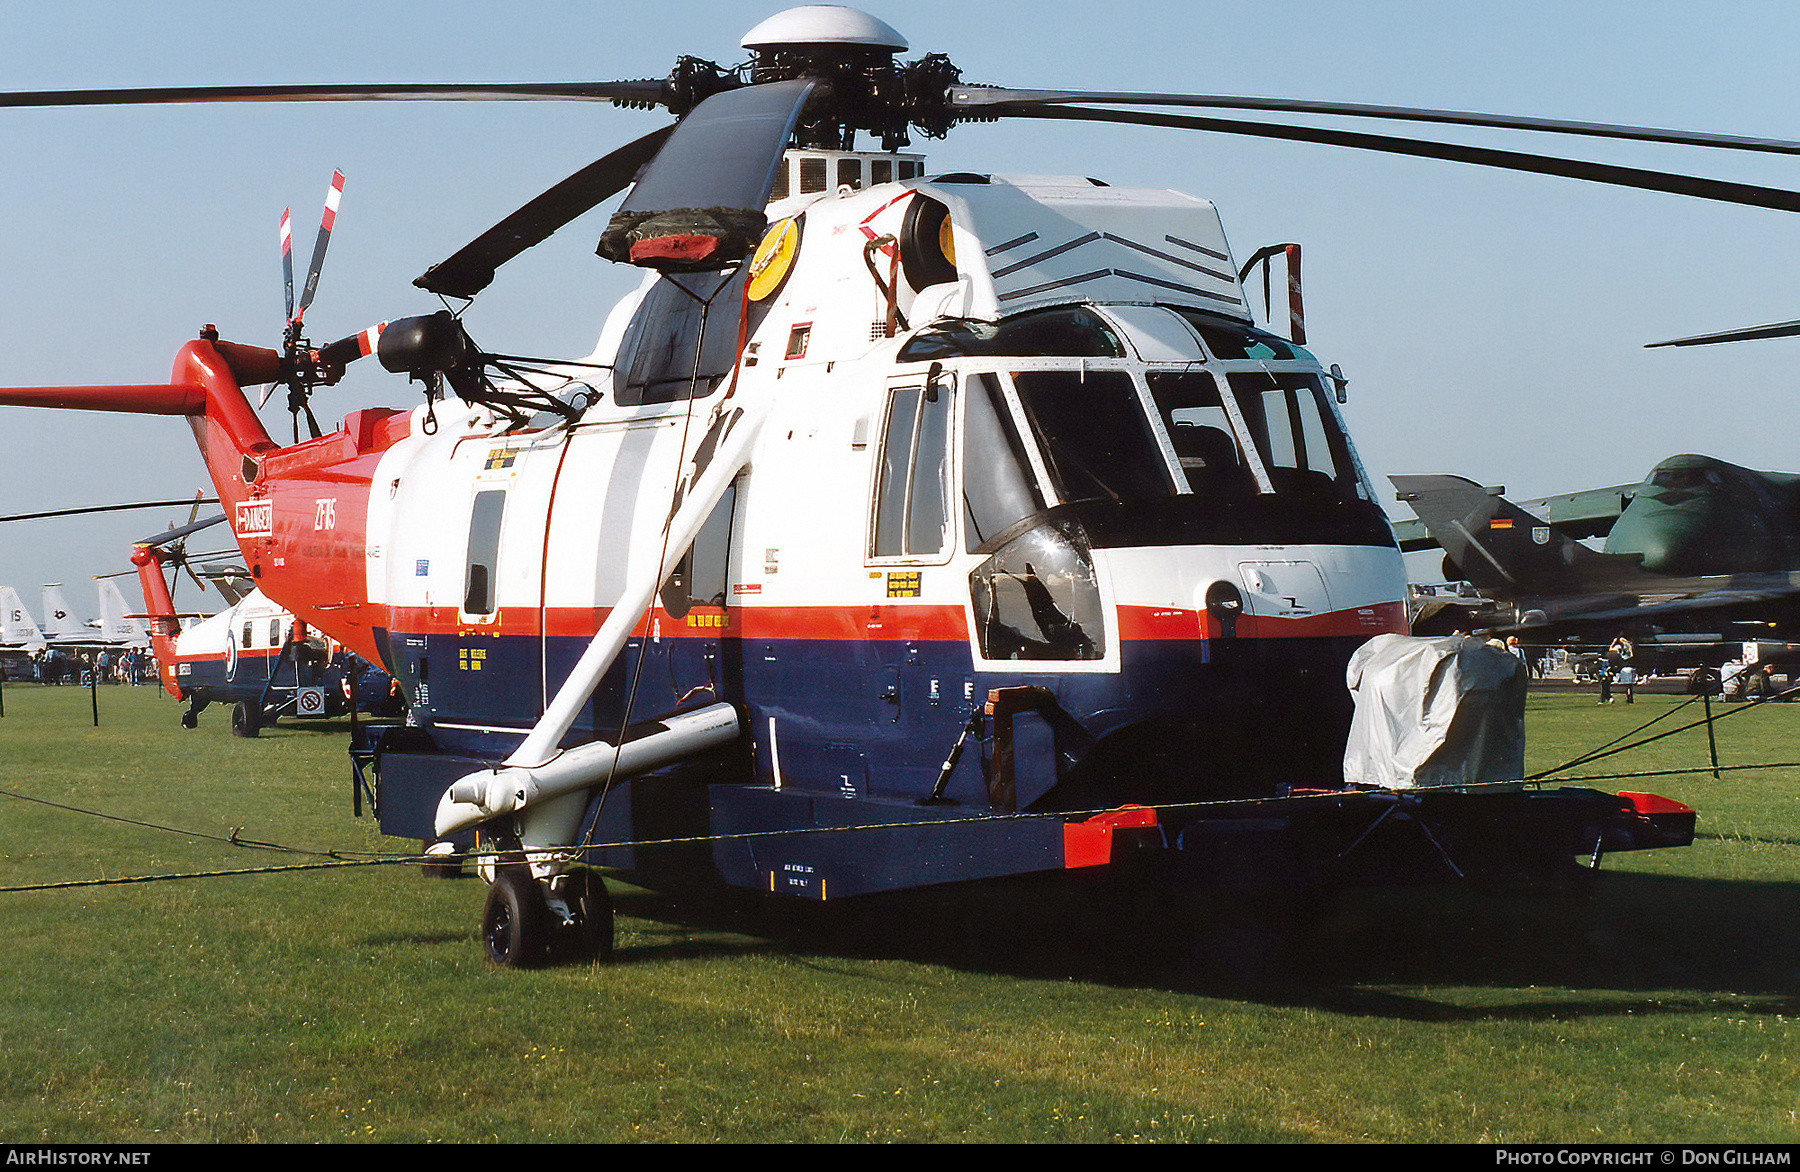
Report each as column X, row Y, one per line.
column 159, row 610
column 298, row 513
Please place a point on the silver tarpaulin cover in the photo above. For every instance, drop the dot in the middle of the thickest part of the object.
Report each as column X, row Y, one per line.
column 1435, row 712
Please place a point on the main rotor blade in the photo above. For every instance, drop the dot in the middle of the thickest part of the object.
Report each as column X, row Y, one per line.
column 1720, row 190
column 1780, row 329
column 471, row 269
column 642, row 92
column 107, row 509
column 699, row 204
column 978, row 98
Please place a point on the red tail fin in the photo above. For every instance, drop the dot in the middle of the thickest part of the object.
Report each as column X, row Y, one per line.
column 159, row 610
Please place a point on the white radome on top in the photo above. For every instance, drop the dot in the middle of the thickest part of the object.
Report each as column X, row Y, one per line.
column 827, row 24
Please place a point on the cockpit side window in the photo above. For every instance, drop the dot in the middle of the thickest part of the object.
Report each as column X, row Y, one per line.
column 1094, row 434
column 997, row 486
column 1295, row 434
column 912, row 496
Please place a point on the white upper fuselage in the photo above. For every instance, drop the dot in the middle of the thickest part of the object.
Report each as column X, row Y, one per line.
column 583, row 504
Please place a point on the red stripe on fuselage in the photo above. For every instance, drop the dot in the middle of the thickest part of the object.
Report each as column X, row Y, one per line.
column 926, row 621
column 1156, row 622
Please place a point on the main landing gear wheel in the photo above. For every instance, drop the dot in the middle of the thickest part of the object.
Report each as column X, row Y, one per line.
column 515, row 923
column 246, row 719
column 190, row 719
column 590, row 937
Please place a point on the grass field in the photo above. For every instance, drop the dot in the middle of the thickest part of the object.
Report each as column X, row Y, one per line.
column 353, row 1003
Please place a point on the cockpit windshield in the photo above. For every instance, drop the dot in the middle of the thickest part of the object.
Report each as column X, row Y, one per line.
column 1070, row 332
column 1295, row 434
column 1202, row 434
column 1093, row 433
column 1236, row 342
column 1686, row 478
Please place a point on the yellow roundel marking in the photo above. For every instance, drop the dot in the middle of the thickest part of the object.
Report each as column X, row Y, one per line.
column 947, row 241
column 773, row 258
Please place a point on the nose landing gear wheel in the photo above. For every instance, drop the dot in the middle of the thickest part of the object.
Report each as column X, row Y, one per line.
column 246, row 719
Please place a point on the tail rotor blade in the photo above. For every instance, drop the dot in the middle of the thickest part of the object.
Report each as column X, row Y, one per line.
column 287, row 260
column 332, row 197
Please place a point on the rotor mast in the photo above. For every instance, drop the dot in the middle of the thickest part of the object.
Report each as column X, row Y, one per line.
column 863, row 87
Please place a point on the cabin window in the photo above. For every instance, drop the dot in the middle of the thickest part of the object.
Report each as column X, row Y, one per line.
column 1094, row 434
column 1295, row 434
column 912, row 507
column 274, row 632
column 997, row 490
column 484, row 551
column 1200, row 431
column 682, row 341
column 702, row 577
column 248, row 642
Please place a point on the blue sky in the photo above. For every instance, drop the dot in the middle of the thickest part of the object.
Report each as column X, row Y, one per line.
column 1491, row 324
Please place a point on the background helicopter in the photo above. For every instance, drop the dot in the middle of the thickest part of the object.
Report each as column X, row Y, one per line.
column 250, row 656
column 1701, row 555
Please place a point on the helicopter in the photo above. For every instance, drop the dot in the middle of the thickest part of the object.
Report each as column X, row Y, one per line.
column 900, row 530
column 252, row 656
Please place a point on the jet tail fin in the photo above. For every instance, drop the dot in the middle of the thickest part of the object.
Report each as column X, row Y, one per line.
column 60, row 623
column 1493, row 543
column 116, row 624
column 17, row 628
